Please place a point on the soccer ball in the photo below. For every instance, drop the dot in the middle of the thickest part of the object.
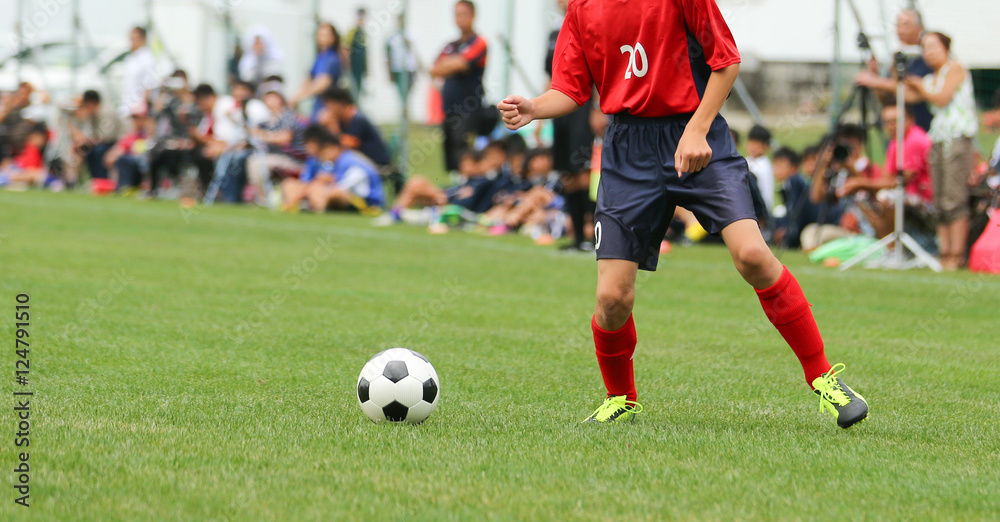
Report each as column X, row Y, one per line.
column 398, row 385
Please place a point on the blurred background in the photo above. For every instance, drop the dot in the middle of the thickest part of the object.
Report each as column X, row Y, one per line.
column 233, row 100
column 788, row 46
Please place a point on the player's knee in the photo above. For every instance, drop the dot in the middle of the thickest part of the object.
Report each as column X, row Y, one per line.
column 615, row 301
column 752, row 259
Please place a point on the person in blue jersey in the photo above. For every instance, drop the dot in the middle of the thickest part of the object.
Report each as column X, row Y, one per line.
column 326, row 69
column 334, row 178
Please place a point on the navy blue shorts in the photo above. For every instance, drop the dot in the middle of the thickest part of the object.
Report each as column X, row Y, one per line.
column 640, row 189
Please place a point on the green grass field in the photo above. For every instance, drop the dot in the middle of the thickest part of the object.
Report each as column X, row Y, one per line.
column 201, row 365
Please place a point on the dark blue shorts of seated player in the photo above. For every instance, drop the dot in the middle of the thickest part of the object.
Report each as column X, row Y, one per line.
column 640, row 188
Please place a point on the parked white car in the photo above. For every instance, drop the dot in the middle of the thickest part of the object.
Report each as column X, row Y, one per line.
column 49, row 67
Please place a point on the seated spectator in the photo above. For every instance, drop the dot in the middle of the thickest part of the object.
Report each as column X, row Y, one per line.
column 281, row 138
column 845, row 158
column 475, row 190
column 341, row 116
column 794, row 189
column 14, row 127
column 223, row 134
column 855, row 137
column 175, row 114
column 27, row 168
column 94, row 131
column 879, row 206
column 533, row 200
column 335, row 178
column 207, row 147
column 129, row 157
column 758, row 146
column 810, row 159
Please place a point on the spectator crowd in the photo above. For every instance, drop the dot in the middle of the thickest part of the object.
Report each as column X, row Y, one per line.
column 313, row 149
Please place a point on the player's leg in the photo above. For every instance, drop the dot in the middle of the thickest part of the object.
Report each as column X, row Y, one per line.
column 780, row 295
column 721, row 199
column 786, row 307
column 414, row 188
column 341, row 199
column 294, row 191
column 318, row 195
column 633, row 213
column 615, row 339
column 614, row 329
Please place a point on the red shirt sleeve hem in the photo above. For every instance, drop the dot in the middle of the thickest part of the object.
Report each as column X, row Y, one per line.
column 573, row 96
column 726, row 63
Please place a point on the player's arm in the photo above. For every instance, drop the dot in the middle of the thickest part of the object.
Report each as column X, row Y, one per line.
column 952, row 82
column 861, row 184
column 449, row 66
column 453, row 64
column 693, row 152
column 518, row 111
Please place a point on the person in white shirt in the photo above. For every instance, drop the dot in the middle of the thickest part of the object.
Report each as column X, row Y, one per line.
column 402, row 59
column 758, row 145
column 222, row 134
column 140, row 74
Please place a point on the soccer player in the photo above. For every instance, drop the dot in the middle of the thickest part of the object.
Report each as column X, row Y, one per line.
column 663, row 68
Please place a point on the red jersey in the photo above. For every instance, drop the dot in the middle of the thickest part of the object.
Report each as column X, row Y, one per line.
column 649, row 58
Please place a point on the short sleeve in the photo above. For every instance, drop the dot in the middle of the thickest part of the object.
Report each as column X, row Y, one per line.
column 704, row 20
column 327, row 64
column 475, row 53
column 355, row 181
column 570, row 70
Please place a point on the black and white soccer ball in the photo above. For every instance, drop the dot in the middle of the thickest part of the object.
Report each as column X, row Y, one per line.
column 398, row 385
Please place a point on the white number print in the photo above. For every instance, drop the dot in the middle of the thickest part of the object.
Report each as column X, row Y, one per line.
column 597, row 236
column 633, row 65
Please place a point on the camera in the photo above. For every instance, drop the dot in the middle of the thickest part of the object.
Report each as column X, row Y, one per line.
column 841, row 152
column 900, row 62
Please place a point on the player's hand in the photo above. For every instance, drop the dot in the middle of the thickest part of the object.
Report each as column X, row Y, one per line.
column 693, row 152
column 517, row 111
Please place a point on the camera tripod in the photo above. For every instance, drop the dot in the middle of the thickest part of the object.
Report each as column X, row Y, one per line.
column 899, row 238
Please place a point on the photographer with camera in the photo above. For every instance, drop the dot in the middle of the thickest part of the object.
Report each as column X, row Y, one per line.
column 878, row 207
column 845, row 160
column 909, row 30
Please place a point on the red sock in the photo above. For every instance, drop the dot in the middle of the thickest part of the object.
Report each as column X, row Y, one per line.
column 787, row 308
column 614, row 355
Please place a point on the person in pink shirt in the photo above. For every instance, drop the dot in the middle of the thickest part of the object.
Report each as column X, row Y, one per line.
column 880, row 210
